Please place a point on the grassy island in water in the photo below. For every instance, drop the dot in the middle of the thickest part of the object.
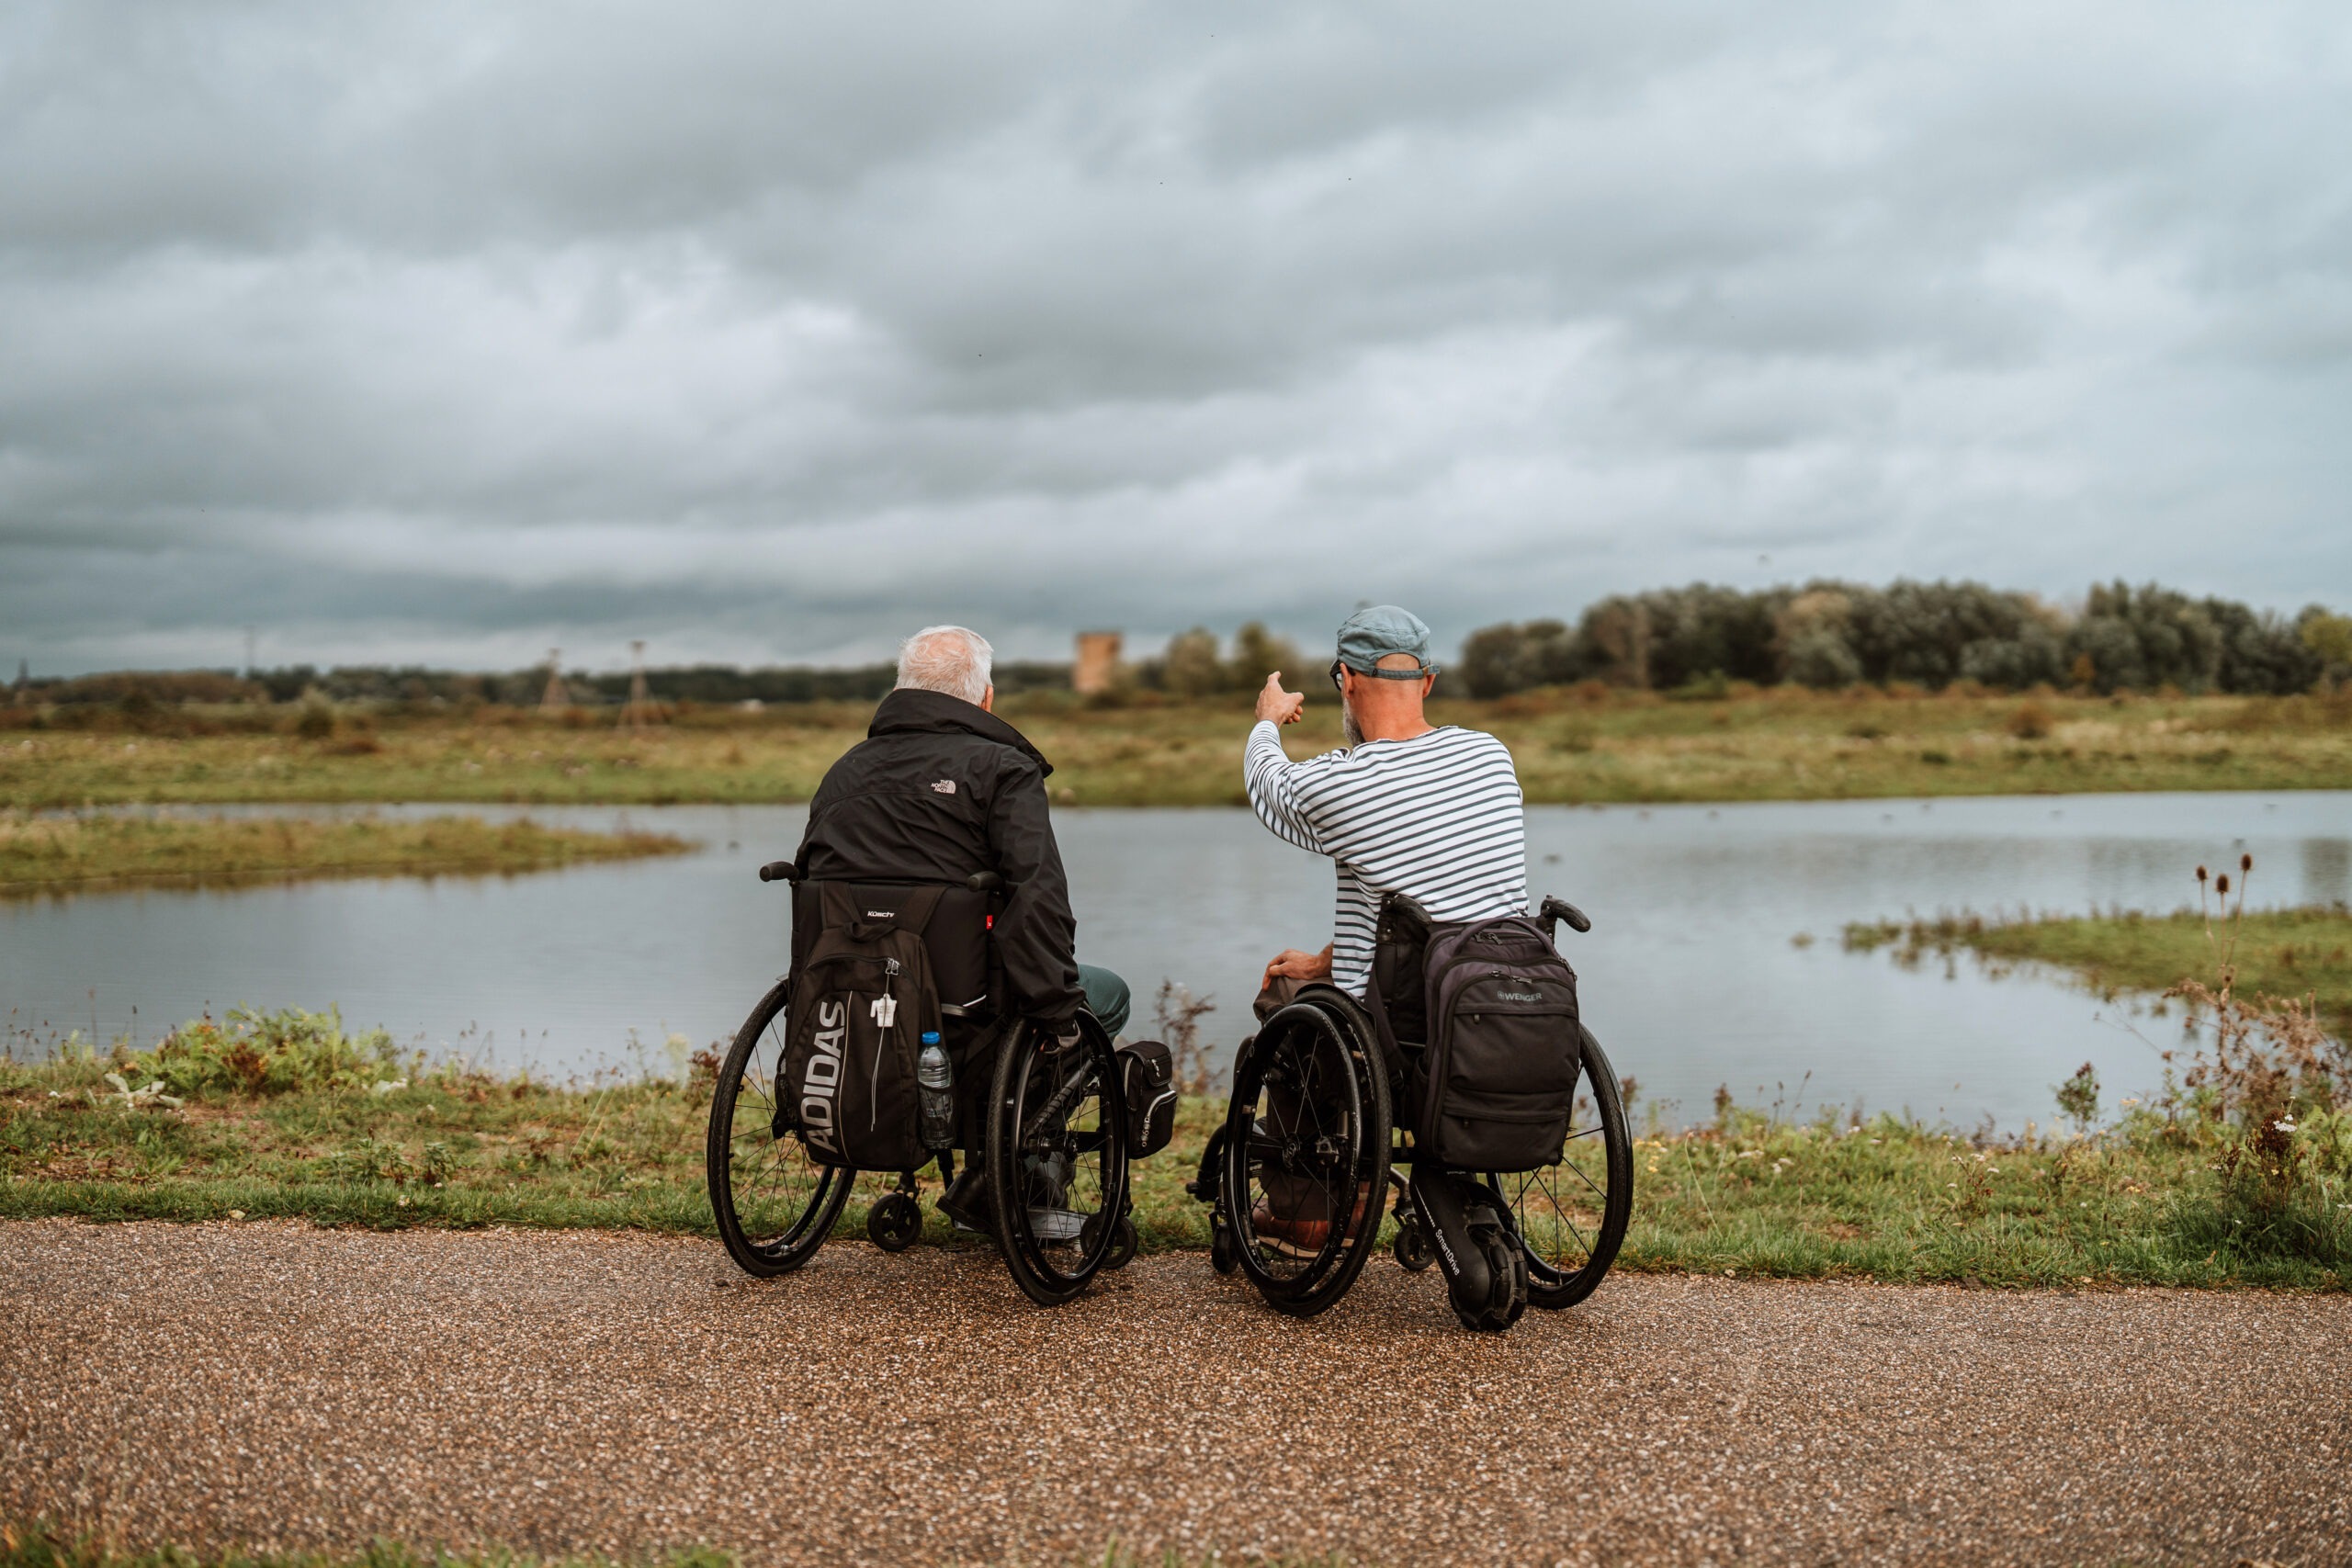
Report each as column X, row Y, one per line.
column 50, row 853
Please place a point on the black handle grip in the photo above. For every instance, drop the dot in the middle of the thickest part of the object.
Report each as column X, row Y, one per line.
column 990, row 882
column 1561, row 909
column 780, row 871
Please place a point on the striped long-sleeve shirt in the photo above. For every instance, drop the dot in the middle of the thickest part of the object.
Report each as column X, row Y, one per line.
column 1439, row 818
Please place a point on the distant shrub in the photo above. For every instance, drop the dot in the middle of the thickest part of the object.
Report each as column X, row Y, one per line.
column 2032, row 722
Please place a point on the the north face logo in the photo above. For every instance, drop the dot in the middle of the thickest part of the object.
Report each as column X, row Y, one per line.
column 944, row 786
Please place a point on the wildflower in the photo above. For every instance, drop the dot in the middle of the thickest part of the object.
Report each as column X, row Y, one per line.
column 236, row 1213
column 1752, row 1154
column 390, row 1085
column 2285, row 1124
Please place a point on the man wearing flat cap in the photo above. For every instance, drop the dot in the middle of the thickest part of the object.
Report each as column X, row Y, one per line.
column 1430, row 811
column 1433, row 812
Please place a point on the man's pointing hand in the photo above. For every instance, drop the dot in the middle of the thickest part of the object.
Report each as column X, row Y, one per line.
column 1273, row 703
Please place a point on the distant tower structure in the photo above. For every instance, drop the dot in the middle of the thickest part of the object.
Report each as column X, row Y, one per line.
column 554, row 696
column 24, row 679
column 1098, row 663
column 639, row 713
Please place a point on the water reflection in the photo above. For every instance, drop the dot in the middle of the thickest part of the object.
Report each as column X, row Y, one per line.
column 1689, row 973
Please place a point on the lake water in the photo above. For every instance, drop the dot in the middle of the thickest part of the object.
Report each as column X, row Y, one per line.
column 1690, row 975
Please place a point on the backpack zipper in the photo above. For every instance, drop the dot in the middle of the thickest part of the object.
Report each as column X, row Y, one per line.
column 881, row 1040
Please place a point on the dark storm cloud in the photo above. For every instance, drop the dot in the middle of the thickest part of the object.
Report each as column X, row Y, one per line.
column 453, row 331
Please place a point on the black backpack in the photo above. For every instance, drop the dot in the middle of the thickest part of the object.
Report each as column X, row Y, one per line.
column 1505, row 1047
column 1496, row 1006
column 861, row 1003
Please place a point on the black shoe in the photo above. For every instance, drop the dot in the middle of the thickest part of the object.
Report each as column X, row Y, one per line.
column 965, row 1201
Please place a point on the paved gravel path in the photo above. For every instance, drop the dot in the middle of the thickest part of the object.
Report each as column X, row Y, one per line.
column 283, row 1387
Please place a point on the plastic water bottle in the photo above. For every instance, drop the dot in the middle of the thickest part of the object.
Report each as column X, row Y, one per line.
column 936, row 1083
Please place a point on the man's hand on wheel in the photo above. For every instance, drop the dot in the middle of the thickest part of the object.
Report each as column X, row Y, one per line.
column 1273, row 703
column 1292, row 965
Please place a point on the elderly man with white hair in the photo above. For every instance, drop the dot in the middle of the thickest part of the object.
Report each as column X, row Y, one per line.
column 942, row 788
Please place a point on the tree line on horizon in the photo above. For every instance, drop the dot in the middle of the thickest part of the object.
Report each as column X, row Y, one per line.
column 1826, row 635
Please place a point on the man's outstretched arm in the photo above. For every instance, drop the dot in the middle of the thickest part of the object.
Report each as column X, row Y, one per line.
column 1270, row 775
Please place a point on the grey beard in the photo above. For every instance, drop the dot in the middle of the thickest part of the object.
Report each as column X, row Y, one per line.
column 1348, row 731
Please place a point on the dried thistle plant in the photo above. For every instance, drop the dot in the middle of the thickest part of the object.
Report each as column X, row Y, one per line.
column 1178, row 1013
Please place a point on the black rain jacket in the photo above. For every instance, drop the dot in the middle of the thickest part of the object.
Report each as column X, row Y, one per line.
column 939, row 789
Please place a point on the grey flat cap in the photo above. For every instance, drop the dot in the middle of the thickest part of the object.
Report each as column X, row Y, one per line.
column 1372, row 634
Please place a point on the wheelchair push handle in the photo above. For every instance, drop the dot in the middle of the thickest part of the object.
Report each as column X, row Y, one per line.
column 978, row 882
column 1561, row 909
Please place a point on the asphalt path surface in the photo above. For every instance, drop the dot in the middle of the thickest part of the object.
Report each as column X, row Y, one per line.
column 279, row 1387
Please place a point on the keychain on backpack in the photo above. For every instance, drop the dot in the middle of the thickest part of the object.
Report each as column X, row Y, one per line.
column 884, row 1011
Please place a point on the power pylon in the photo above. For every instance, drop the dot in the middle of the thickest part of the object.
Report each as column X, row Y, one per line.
column 554, row 696
column 639, row 710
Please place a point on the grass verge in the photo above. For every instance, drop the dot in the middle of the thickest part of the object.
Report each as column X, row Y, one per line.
column 1586, row 745
column 287, row 1116
column 54, row 854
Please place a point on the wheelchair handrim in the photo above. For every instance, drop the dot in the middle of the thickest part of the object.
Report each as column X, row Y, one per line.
column 1244, row 1137
column 747, row 1167
column 1036, row 1231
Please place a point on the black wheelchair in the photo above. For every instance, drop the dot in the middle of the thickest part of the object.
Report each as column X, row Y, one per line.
column 1312, row 1143
column 1048, row 1119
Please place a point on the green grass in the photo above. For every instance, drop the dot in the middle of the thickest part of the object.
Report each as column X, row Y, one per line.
column 55, row 853
column 283, row 1117
column 1572, row 747
column 2278, row 952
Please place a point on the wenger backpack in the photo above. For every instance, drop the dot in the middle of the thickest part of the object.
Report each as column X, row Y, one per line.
column 861, row 1003
column 1500, row 1076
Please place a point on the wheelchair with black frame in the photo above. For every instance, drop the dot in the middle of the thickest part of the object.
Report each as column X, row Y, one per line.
column 1049, row 1116
column 1326, row 1098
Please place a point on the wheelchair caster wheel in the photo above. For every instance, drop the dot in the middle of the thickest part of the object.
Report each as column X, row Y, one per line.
column 1122, row 1241
column 895, row 1222
column 1224, row 1253
column 1412, row 1247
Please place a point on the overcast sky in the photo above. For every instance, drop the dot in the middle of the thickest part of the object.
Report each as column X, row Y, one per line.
column 447, row 333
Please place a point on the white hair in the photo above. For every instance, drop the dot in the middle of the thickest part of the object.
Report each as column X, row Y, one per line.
column 953, row 660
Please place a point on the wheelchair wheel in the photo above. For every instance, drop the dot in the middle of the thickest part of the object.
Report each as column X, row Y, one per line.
column 1571, row 1217
column 775, row 1205
column 1124, row 1241
column 895, row 1223
column 1306, row 1158
column 1412, row 1247
column 1057, row 1159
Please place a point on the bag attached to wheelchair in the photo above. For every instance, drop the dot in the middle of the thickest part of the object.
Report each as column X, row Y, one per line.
column 1498, row 1079
column 1147, row 1079
column 862, row 1001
